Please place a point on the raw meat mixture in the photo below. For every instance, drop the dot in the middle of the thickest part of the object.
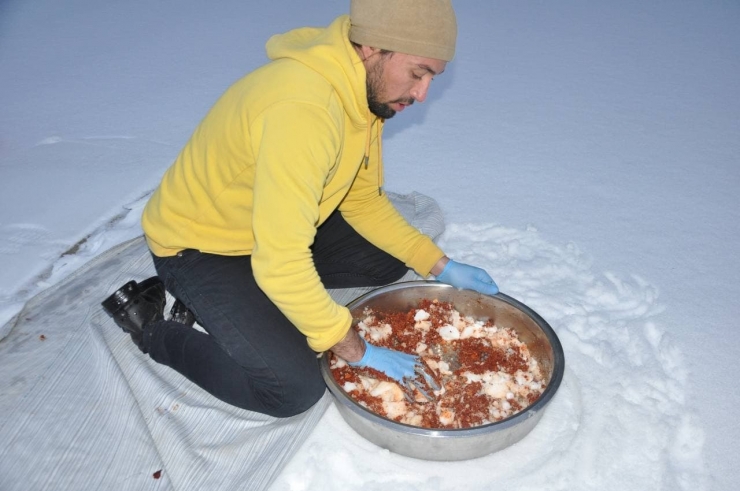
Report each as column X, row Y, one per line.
column 484, row 372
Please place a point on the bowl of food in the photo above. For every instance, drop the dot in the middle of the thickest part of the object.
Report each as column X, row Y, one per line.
column 495, row 366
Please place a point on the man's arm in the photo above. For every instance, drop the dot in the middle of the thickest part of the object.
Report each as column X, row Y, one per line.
column 350, row 348
column 397, row 365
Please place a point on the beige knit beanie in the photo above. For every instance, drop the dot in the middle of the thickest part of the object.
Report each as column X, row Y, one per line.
column 416, row 27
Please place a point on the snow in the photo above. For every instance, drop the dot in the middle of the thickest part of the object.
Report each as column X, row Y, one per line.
column 585, row 153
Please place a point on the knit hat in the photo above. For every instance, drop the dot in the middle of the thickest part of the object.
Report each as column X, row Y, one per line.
column 416, row 27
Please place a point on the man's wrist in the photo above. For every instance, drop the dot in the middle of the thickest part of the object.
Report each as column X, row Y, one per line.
column 351, row 348
column 440, row 266
column 363, row 349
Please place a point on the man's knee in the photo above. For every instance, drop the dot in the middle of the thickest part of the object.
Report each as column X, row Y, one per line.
column 293, row 398
column 394, row 271
column 303, row 403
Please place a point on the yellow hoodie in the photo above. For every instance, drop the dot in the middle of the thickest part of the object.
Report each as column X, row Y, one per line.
column 282, row 149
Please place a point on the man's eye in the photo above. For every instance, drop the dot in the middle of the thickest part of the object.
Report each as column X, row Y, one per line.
column 416, row 76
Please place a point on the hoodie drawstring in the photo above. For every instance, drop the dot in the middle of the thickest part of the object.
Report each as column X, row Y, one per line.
column 366, row 159
column 368, row 140
column 380, row 159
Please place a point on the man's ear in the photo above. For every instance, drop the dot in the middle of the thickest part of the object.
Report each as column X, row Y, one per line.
column 366, row 52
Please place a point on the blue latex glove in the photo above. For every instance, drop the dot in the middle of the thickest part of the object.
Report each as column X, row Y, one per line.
column 467, row 277
column 396, row 364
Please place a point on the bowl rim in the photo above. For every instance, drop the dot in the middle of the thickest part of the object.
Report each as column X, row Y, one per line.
column 513, row 420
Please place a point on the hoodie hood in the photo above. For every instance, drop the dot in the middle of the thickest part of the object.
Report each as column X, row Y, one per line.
column 329, row 52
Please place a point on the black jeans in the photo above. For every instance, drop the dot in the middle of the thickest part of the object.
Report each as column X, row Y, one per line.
column 252, row 356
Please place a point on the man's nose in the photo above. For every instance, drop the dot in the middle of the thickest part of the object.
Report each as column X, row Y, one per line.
column 420, row 90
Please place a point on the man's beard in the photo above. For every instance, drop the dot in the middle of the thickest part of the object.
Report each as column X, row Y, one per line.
column 380, row 109
column 374, row 87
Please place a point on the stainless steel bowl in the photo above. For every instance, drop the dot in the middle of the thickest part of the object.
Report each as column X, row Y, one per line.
column 454, row 444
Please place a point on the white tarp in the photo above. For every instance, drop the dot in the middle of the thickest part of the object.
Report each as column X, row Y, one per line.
column 83, row 409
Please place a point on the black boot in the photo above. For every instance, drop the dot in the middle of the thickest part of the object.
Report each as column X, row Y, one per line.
column 133, row 306
column 180, row 313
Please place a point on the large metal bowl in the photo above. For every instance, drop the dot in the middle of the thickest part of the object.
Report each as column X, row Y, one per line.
column 454, row 444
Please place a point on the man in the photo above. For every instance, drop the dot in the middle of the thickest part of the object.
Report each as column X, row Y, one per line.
column 277, row 197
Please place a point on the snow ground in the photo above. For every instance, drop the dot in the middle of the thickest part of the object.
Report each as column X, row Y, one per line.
column 585, row 153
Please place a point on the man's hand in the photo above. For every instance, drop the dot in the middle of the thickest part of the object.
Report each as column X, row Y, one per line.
column 468, row 277
column 396, row 364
